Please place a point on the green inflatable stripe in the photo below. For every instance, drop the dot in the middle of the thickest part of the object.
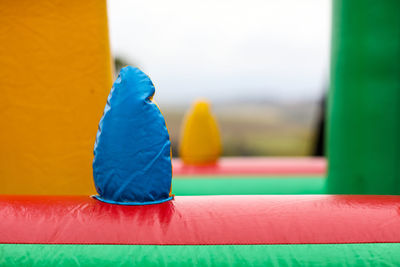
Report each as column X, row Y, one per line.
column 380, row 254
column 363, row 121
column 247, row 186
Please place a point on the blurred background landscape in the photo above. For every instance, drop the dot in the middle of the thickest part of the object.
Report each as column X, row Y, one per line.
column 263, row 65
column 257, row 128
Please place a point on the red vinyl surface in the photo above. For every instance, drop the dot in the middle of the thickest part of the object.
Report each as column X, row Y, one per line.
column 294, row 219
column 255, row 166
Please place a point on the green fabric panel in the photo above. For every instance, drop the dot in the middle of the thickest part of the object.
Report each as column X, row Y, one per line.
column 211, row 255
column 364, row 102
column 247, row 186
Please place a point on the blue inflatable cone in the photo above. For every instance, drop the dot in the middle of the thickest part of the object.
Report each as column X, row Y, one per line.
column 132, row 153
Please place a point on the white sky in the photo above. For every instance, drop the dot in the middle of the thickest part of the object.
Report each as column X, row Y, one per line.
column 256, row 49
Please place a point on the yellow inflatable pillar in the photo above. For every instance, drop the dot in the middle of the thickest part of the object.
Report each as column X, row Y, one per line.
column 55, row 72
column 200, row 138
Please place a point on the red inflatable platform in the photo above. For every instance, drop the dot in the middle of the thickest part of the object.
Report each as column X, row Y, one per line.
column 255, row 166
column 205, row 220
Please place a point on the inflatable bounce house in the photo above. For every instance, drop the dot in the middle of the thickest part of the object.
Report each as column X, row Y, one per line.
column 127, row 206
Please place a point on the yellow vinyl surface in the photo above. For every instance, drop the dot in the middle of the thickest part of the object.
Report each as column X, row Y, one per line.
column 55, row 74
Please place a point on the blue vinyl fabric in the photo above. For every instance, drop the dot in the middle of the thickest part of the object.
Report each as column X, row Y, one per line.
column 132, row 152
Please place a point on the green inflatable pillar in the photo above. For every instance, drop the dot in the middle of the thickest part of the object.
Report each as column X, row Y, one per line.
column 364, row 102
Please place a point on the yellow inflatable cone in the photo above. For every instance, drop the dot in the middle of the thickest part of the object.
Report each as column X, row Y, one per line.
column 200, row 139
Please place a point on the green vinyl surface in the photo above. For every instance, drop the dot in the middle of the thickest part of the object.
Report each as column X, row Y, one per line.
column 364, row 101
column 380, row 254
column 247, row 185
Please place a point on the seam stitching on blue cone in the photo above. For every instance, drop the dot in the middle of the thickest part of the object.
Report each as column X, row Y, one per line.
column 131, row 203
